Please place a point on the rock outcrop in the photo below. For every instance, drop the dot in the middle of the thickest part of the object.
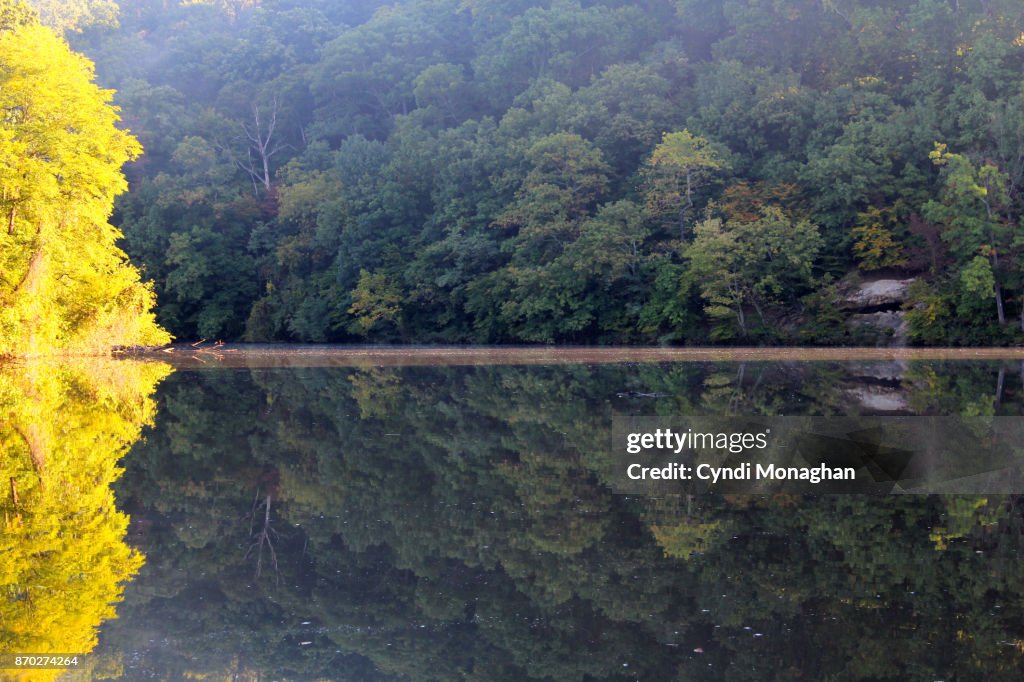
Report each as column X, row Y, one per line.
column 884, row 294
column 875, row 308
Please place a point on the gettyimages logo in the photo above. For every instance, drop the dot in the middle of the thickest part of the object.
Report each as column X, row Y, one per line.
column 689, row 440
column 876, row 455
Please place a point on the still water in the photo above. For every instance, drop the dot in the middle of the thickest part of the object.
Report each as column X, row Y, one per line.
column 433, row 515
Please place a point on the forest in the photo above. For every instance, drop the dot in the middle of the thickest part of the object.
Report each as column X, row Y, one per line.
column 474, row 171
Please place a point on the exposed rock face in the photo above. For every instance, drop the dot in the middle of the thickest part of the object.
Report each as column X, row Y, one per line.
column 876, row 306
column 888, row 293
column 891, row 325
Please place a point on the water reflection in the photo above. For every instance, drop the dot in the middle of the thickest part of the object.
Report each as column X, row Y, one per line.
column 442, row 523
column 64, row 426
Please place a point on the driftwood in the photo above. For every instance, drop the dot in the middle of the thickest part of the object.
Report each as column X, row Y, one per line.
column 191, row 349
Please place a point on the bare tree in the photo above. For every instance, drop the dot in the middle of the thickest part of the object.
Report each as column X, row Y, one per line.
column 262, row 146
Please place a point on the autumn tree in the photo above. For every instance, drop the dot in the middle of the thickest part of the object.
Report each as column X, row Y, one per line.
column 875, row 244
column 64, row 283
column 14, row 14
column 374, row 300
column 677, row 170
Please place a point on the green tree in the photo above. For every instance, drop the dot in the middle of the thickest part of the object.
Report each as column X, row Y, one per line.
column 65, row 16
column 974, row 208
column 567, row 177
column 564, row 42
column 751, row 264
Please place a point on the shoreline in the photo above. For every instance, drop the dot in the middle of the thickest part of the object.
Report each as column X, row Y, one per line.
column 298, row 355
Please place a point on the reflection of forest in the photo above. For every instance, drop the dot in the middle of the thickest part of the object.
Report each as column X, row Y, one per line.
column 454, row 523
column 64, row 426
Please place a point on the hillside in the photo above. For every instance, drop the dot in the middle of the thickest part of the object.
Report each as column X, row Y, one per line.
column 475, row 171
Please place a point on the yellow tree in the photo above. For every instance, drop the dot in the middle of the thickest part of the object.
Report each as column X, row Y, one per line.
column 64, row 283
column 675, row 173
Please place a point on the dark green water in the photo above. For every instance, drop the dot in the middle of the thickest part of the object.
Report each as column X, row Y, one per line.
column 453, row 523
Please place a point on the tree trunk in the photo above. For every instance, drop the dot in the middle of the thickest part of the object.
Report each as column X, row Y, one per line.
column 261, row 142
column 999, row 305
column 30, row 282
column 36, row 451
column 686, row 206
column 995, row 273
column 760, row 315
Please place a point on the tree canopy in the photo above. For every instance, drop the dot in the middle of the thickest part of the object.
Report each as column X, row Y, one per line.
column 64, row 283
column 449, row 171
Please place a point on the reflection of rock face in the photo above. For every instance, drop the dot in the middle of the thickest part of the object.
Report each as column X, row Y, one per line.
column 63, row 558
column 877, row 387
column 892, row 370
column 879, row 398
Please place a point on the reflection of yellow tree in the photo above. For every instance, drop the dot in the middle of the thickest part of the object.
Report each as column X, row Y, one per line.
column 376, row 391
column 63, row 428
column 684, row 539
column 682, row 527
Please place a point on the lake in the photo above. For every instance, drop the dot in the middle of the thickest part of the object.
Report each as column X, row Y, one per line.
column 445, row 514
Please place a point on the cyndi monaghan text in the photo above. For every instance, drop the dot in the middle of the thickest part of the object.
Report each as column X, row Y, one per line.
column 743, row 472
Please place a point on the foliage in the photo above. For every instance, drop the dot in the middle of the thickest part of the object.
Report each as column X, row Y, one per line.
column 674, row 173
column 420, row 141
column 755, row 264
column 876, row 246
column 75, row 15
column 374, row 300
column 63, row 556
column 486, row 539
column 976, row 210
column 64, row 283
